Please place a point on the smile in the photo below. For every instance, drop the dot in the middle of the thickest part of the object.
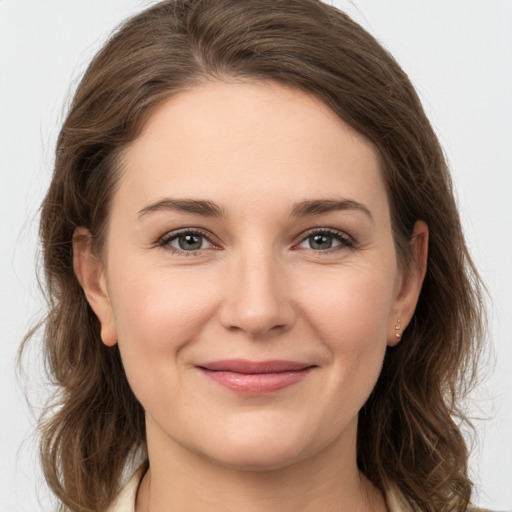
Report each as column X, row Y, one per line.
column 255, row 378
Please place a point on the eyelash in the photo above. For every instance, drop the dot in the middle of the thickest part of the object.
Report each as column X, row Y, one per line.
column 165, row 241
column 344, row 240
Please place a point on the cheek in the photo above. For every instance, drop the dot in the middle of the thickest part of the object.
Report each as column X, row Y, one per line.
column 351, row 307
column 157, row 313
column 351, row 320
column 161, row 301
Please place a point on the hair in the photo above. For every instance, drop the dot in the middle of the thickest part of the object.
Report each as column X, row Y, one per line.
column 410, row 429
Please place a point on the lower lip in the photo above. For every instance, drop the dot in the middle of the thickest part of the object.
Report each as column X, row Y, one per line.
column 256, row 383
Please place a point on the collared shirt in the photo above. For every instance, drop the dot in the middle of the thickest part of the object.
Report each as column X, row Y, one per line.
column 125, row 501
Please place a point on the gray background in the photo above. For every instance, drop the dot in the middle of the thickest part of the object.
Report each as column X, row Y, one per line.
column 458, row 53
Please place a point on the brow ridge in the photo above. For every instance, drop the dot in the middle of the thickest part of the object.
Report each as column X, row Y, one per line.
column 197, row 206
column 323, row 206
column 210, row 209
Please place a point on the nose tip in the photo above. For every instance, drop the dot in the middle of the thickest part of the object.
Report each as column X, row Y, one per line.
column 257, row 320
column 257, row 302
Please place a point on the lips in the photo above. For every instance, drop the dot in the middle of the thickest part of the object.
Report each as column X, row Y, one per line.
column 255, row 377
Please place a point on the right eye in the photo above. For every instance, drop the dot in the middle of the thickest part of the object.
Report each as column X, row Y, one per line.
column 186, row 241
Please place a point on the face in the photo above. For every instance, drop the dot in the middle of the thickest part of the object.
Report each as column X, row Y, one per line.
column 249, row 275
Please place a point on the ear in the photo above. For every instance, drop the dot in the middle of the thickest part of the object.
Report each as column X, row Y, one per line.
column 91, row 276
column 409, row 284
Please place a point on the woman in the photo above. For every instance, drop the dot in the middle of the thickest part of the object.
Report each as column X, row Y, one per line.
column 259, row 284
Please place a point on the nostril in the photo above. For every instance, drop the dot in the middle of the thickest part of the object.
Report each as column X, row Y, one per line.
column 256, row 299
column 260, row 323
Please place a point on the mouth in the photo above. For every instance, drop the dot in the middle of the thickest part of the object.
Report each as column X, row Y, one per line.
column 256, row 377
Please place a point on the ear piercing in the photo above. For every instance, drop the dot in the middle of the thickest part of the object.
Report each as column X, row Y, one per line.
column 398, row 329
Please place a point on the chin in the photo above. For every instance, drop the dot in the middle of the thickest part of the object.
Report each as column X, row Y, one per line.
column 257, row 458
column 260, row 449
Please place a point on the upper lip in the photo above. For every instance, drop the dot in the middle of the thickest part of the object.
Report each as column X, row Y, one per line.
column 255, row 367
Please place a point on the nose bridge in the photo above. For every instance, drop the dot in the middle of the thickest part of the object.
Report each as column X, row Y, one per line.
column 256, row 299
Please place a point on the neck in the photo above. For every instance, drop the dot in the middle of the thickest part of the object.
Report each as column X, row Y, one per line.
column 179, row 479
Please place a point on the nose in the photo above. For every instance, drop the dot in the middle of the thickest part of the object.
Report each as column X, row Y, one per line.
column 257, row 298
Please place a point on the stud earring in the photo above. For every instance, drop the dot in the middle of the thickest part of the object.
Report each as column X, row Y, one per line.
column 398, row 330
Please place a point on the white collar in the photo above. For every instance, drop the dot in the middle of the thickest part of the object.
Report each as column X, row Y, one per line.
column 125, row 500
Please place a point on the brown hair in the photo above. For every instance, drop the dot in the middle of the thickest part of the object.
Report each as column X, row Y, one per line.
column 410, row 428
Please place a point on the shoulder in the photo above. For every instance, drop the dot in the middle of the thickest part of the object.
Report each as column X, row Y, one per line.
column 125, row 500
column 477, row 509
column 397, row 503
column 472, row 508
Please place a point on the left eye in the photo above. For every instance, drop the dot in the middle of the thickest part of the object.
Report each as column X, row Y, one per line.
column 188, row 241
column 323, row 241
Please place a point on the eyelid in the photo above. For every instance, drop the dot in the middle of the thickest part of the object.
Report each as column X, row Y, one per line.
column 346, row 241
column 164, row 240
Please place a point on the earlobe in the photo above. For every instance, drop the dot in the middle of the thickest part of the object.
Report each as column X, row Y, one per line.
column 91, row 276
column 410, row 283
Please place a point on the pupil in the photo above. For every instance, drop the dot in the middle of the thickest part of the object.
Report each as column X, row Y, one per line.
column 189, row 242
column 321, row 242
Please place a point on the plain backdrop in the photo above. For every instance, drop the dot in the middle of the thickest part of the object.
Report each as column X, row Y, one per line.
column 458, row 54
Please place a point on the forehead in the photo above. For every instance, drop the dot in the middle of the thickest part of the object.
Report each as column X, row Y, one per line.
column 246, row 140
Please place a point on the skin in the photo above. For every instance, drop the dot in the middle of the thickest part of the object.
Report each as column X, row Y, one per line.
column 257, row 289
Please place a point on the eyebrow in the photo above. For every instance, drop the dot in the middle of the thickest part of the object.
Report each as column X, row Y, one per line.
column 210, row 209
column 197, row 206
column 323, row 206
